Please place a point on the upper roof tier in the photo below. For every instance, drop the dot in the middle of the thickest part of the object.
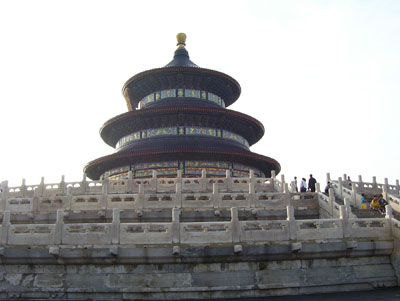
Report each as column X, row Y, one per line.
column 181, row 72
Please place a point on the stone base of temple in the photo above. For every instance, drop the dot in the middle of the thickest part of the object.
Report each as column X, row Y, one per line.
column 229, row 271
column 194, row 238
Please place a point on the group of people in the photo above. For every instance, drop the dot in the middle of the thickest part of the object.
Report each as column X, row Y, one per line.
column 377, row 203
column 303, row 184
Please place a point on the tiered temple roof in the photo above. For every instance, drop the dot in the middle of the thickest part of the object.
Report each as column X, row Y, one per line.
column 177, row 120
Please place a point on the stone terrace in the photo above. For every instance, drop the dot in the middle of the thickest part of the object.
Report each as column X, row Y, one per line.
column 166, row 238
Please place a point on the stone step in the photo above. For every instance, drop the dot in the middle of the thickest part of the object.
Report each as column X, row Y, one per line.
column 366, row 213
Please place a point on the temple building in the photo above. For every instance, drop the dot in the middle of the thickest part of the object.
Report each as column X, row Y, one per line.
column 177, row 120
column 184, row 210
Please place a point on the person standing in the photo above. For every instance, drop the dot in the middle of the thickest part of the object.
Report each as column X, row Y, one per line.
column 311, row 183
column 303, row 185
column 295, row 184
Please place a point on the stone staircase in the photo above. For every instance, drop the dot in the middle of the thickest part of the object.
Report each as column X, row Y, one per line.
column 344, row 189
column 366, row 213
column 361, row 213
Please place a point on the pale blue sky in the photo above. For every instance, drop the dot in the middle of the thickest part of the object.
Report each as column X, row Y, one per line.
column 322, row 76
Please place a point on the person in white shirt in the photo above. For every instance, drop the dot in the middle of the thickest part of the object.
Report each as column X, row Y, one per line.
column 295, row 185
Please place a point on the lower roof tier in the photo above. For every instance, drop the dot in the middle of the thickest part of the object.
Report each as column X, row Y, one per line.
column 95, row 169
column 125, row 124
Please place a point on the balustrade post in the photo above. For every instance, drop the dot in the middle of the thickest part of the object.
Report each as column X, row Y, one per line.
column 84, row 184
column 360, row 184
column 62, row 187
column 274, row 182
column 176, row 228
column 154, row 182
column 4, row 194
column 252, row 195
column 4, row 227
column 252, row 178
column 344, row 177
column 104, row 184
column 178, row 195
column 203, row 180
column 292, row 223
column 283, row 182
column 328, row 177
column 69, row 198
column 35, row 200
column 354, row 195
column 41, row 186
column 374, row 184
column 287, row 196
column 115, row 227
column 389, row 216
column 317, row 188
column 340, row 187
column 293, row 187
column 235, row 224
column 347, row 206
column 228, row 180
column 58, row 232
column 397, row 187
column 215, row 195
column 23, row 188
column 179, row 177
column 385, row 189
column 129, row 188
column 345, row 220
column 332, row 200
column 104, row 192
column 141, row 196
column 389, row 212
column 385, row 192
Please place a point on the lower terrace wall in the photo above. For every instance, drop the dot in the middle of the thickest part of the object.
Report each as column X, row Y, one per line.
column 197, row 259
column 213, row 272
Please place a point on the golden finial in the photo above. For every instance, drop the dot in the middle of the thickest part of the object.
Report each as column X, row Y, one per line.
column 181, row 38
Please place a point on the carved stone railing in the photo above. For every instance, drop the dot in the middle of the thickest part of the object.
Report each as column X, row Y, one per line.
column 176, row 232
column 176, row 199
column 155, row 193
column 131, row 185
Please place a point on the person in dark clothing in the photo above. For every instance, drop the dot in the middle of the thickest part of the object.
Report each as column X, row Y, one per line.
column 311, row 183
column 328, row 186
column 382, row 203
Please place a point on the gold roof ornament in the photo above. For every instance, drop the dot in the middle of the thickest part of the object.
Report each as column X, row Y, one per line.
column 181, row 39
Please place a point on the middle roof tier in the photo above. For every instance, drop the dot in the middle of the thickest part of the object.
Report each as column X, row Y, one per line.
column 181, row 116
